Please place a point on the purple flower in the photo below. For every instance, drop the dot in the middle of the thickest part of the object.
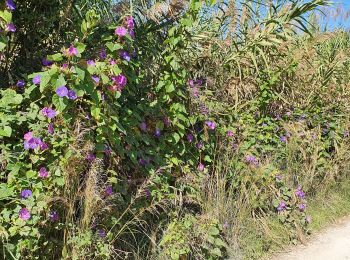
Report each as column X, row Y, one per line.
column 142, row 162
column 230, row 134
column 26, row 194
column 112, row 62
column 101, row 233
column 24, row 214
column 37, row 80
column 43, row 146
column 199, row 145
column 54, row 216
column 119, row 80
column 190, row 82
column 263, row 124
column 211, row 125
column 300, row 193
column 200, row 167
column 281, row 206
column 50, row 129
column 166, row 121
column 95, row 78
column 90, row 63
column 132, row 33
column 10, row 5
column 225, row 225
column 346, row 134
column 124, row 55
column 129, row 21
column 21, row 83
column 190, row 138
column 157, row 133
column 121, row 31
column 46, row 62
column 143, row 126
column 109, row 191
column 62, row 91
column 10, row 27
column 31, row 143
column 103, row 54
column 147, row 193
column 28, row 136
column 283, row 139
column 194, row 91
column 90, row 157
column 48, row 112
column 302, row 207
column 43, row 173
column 251, row 159
column 72, row 51
column 72, row 94
column 107, row 150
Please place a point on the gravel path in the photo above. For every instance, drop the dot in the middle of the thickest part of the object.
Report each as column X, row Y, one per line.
column 331, row 244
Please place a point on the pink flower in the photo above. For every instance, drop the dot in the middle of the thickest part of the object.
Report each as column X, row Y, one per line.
column 230, row 134
column 24, row 214
column 28, row 136
column 200, row 167
column 72, row 51
column 121, row 31
column 43, row 173
column 129, row 21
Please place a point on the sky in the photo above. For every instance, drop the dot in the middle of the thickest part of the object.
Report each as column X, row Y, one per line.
column 338, row 16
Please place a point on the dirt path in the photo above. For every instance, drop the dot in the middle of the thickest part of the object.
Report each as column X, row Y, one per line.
column 331, row 244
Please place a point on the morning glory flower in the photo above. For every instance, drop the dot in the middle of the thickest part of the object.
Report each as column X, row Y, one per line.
column 72, row 51
column 43, row 173
column 300, row 193
column 143, row 126
column 230, row 134
column 121, row 31
column 283, row 139
column 10, row 5
column 199, row 145
column 24, row 214
column 109, row 190
column 281, row 206
column 142, row 162
column 129, row 21
column 211, row 125
column 90, row 63
column 302, row 207
column 46, row 62
column 132, row 33
column 120, row 80
column 43, row 146
column 200, row 167
column 251, row 160
column 72, row 94
column 37, row 80
column 10, row 27
column 62, row 91
column 48, row 112
column 26, row 194
column 21, row 83
column 103, row 54
column 90, row 157
column 190, row 138
column 95, row 78
column 101, row 233
column 28, row 136
column 124, row 55
column 54, row 216
column 50, row 129
column 157, row 133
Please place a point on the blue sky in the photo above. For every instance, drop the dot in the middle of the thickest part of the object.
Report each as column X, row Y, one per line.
column 338, row 15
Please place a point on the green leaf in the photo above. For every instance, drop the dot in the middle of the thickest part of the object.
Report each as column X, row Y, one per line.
column 45, row 78
column 213, row 231
column 113, row 46
column 59, row 103
column 55, row 57
column 6, row 131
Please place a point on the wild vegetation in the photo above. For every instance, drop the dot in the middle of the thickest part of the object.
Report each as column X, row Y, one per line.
column 169, row 129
